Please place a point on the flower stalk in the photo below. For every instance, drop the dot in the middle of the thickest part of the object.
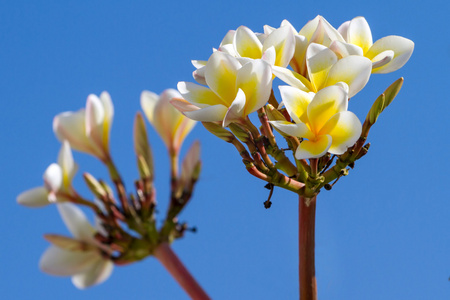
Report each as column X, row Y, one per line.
column 175, row 267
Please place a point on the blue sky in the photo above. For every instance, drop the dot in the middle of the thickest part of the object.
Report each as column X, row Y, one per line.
column 382, row 232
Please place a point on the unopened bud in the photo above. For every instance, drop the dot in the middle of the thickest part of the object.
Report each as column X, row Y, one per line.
column 376, row 109
column 392, row 91
column 219, row 131
column 143, row 168
column 95, row 186
column 240, row 132
column 141, row 145
column 273, row 114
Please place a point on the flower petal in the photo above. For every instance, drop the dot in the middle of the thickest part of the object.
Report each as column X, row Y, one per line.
column 96, row 274
column 236, row 110
column 359, row 34
column 344, row 129
column 35, row 197
column 95, row 115
column 199, row 95
column 247, row 43
column 255, row 80
column 326, row 103
column 53, row 177
column 353, row 70
column 298, row 62
column 296, row 102
column 315, row 148
column 67, row 164
column 319, row 60
column 292, row 78
column 213, row 113
column 57, row 261
column 76, row 222
column 70, row 126
column 345, row 49
column 402, row 47
column 290, row 129
column 220, row 75
column 283, row 41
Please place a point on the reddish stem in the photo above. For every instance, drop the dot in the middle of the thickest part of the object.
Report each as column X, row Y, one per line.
column 306, row 243
column 175, row 267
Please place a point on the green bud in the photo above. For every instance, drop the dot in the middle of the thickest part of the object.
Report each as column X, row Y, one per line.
column 219, row 131
column 392, row 91
column 273, row 114
column 240, row 132
column 141, row 145
column 95, row 186
column 376, row 109
column 144, row 170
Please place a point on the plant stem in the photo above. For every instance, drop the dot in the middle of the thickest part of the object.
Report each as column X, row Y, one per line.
column 306, row 243
column 175, row 267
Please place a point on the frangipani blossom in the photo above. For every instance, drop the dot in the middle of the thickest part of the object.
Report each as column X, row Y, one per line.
column 324, row 68
column 79, row 257
column 277, row 48
column 387, row 54
column 234, row 90
column 322, row 120
column 87, row 130
column 171, row 125
column 57, row 181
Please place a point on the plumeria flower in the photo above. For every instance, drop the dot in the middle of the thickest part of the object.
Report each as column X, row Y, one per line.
column 321, row 119
column 87, row 130
column 57, row 181
column 234, row 90
column 387, row 54
column 277, row 48
column 80, row 257
column 171, row 125
column 324, row 69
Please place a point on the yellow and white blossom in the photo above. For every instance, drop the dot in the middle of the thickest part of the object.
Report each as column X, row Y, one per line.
column 87, row 130
column 171, row 125
column 387, row 54
column 321, row 119
column 80, row 257
column 57, row 181
column 324, row 68
column 234, row 90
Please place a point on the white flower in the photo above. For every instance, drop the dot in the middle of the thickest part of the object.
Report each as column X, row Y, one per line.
column 79, row 257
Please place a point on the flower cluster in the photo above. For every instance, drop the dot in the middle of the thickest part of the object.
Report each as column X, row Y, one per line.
column 323, row 68
column 89, row 256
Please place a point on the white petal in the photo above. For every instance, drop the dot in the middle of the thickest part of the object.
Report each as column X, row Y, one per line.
column 67, row 164
column 76, row 222
column 57, row 261
column 212, row 113
column 313, row 149
column 290, row 129
column 353, row 70
column 246, row 43
column 402, row 47
column 282, row 39
column 345, row 49
column 270, row 56
column 97, row 273
column 255, row 80
column 344, row 129
column 148, row 103
column 343, row 29
column 71, row 126
column 358, row 33
column 236, row 110
column 296, row 102
column 292, row 78
column 53, row 177
column 95, row 114
column 319, row 61
column 198, row 95
column 35, row 197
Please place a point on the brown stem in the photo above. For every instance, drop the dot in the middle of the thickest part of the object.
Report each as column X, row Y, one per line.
column 175, row 267
column 306, row 244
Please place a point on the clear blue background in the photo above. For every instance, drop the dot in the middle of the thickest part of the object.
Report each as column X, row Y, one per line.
column 382, row 232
